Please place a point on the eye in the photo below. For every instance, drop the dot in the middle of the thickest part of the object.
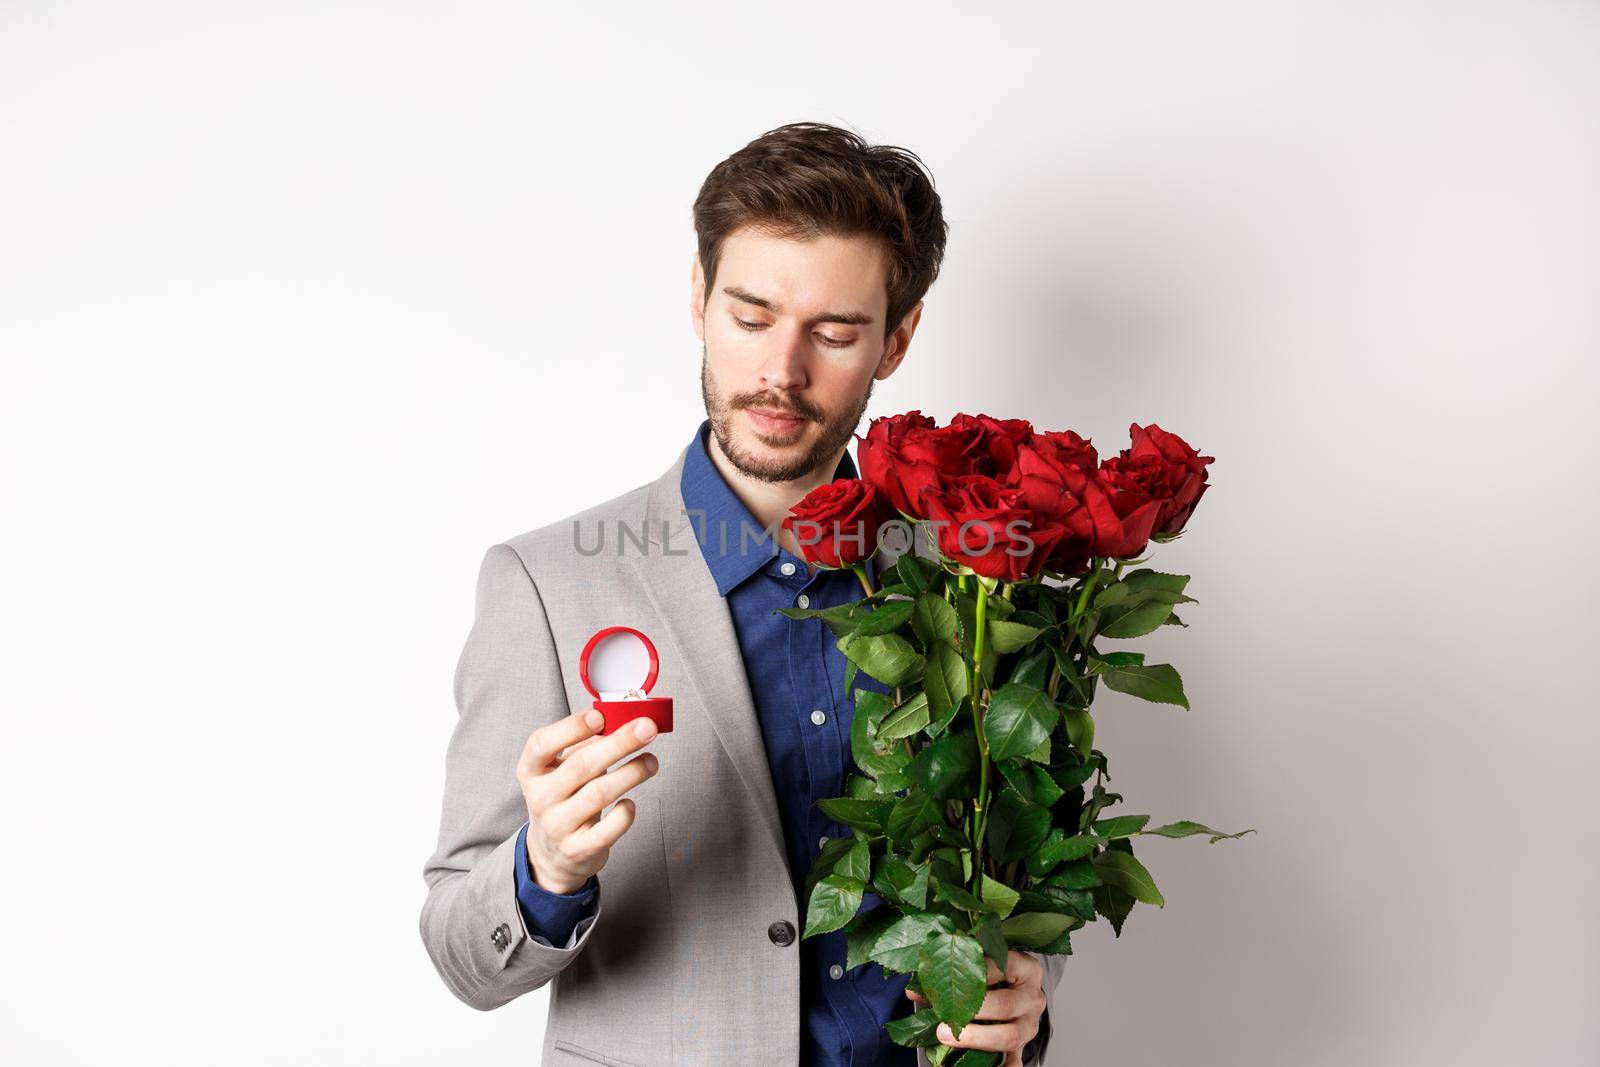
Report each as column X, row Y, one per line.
column 754, row 327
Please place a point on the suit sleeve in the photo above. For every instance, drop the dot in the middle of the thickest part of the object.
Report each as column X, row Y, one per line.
column 507, row 684
column 1054, row 967
column 550, row 918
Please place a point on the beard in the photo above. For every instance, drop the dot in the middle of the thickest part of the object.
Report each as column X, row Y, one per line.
column 837, row 429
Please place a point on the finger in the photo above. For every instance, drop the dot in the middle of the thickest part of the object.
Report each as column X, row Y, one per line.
column 1004, row 1003
column 580, row 767
column 991, row 1037
column 539, row 751
column 606, row 832
column 1023, row 968
column 570, row 749
column 580, row 809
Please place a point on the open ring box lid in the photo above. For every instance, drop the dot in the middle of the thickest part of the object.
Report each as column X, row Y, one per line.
column 618, row 666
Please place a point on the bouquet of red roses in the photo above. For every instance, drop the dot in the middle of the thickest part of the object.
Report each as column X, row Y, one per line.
column 969, row 815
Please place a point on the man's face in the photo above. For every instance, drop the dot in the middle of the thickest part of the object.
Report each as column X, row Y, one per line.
column 793, row 338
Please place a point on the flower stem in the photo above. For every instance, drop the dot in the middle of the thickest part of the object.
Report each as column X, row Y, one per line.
column 980, row 816
column 1088, row 587
column 861, row 573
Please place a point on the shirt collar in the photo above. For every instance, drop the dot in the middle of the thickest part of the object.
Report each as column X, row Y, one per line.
column 734, row 544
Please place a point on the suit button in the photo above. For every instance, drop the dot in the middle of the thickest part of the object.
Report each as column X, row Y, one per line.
column 781, row 932
column 501, row 937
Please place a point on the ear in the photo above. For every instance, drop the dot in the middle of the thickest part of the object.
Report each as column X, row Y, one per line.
column 895, row 351
column 697, row 296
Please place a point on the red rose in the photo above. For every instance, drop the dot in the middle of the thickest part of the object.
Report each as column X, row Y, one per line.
column 1055, row 475
column 901, row 456
column 989, row 527
column 837, row 524
column 988, row 446
column 1163, row 467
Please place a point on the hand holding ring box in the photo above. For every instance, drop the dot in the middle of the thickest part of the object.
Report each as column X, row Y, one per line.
column 622, row 661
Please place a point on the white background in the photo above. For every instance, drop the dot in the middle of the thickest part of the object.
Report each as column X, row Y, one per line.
column 303, row 306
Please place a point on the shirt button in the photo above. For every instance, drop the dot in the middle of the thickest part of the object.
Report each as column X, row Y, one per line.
column 818, row 717
column 836, row 971
column 803, row 600
column 823, row 840
column 787, row 568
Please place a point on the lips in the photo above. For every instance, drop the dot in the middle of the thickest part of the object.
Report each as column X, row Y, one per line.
column 774, row 422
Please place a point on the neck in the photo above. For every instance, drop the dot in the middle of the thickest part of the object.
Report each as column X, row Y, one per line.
column 770, row 502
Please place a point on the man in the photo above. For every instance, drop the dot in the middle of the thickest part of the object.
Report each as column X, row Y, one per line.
column 815, row 251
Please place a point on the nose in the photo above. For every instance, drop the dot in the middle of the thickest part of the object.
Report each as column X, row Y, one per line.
column 783, row 365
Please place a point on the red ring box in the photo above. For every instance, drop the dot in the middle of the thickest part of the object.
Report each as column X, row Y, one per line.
column 615, row 652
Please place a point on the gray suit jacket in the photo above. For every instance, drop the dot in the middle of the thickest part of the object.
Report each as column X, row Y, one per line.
column 676, row 965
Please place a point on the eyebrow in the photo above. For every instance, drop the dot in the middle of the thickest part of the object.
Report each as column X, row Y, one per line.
column 848, row 318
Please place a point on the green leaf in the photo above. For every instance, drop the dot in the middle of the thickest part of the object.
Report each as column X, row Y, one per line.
column 1009, row 636
column 1120, row 825
column 887, row 657
column 956, row 895
column 912, row 815
column 917, row 1030
column 856, row 863
column 903, row 883
column 945, row 682
column 1143, row 581
column 834, row 902
column 1185, row 828
column 975, row 1057
column 954, row 977
column 886, row 618
column 1158, row 683
column 1080, row 729
column 1048, row 791
column 1122, row 870
column 1078, row 903
column 1032, row 782
column 1018, row 719
column 1032, row 670
column 1069, row 848
column 1076, row 874
column 1114, row 904
column 888, row 770
column 827, row 859
column 862, row 934
column 934, row 620
column 1124, row 621
column 870, row 707
column 860, row 814
column 1030, row 929
column 900, row 946
column 918, row 574
column 909, row 718
column 1015, row 827
column 1071, row 777
column 837, row 613
column 993, row 940
column 948, row 767
column 998, row 898
column 1040, row 754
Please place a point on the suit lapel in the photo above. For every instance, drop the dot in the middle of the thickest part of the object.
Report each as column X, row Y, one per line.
column 674, row 576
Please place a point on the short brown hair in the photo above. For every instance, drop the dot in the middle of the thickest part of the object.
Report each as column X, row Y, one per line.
column 809, row 179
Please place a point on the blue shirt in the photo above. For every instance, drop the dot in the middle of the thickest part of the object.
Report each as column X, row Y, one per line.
column 796, row 675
